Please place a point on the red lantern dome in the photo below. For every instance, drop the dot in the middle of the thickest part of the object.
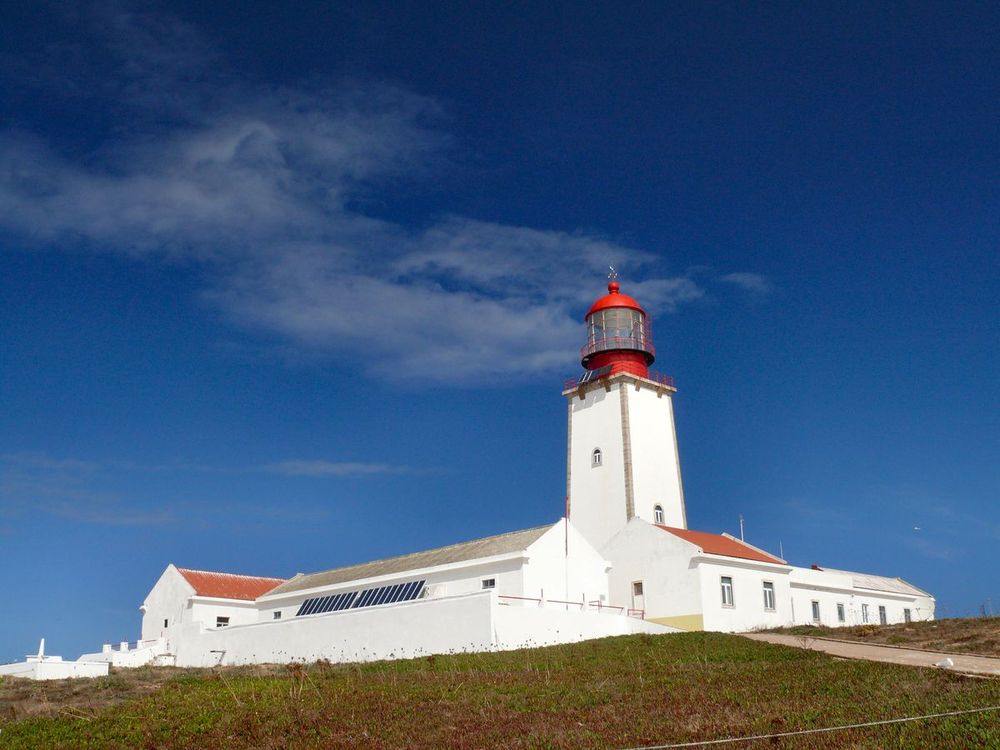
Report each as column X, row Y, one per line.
column 619, row 335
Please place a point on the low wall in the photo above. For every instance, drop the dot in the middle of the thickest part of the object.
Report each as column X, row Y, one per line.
column 146, row 652
column 54, row 670
column 402, row 631
column 531, row 625
column 466, row 623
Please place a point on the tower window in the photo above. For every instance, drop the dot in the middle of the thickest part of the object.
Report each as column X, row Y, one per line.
column 596, row 458
column 221, row 622
column 489, row 583
column 658, row 514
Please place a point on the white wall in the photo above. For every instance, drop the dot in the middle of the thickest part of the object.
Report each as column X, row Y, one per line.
column 428, row 626
column 833, row 588
column 52, row 669
column 531, row 626
column 206, row 610
column 449, row 580
column 597, row 493
column 473, row 622
column 579, row 576
column 662, row 561
column 656, row 475
column 747, row 611
column 167, row 600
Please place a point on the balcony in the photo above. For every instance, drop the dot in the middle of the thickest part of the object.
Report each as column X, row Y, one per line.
column 656, row 377
column 610, row 343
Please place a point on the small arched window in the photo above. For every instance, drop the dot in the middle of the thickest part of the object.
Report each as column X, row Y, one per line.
column 596, row 457
column 658, row 514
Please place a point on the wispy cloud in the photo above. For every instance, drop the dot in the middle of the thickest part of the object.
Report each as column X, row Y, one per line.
column 72, row 489
column 32, row 483
column 330, row 468
column 754, row 283
column 929, row 548
column 267, row 190
column 43, row 461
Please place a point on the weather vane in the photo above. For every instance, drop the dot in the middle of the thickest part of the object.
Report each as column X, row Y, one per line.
column 613, row 275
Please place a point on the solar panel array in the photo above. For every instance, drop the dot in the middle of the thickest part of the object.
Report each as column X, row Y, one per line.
column 400, row 592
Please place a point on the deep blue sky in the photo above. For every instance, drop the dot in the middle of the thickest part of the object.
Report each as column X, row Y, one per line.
column 294, row 286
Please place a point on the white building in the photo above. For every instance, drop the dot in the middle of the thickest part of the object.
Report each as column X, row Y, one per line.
column 621, row 561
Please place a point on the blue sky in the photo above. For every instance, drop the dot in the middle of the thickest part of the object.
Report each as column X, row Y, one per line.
column 285, row 288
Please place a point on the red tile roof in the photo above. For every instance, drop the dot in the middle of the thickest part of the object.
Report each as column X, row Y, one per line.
column 228, row 585
column 722, row 544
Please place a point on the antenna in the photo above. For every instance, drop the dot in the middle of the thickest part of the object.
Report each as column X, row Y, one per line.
column 613, row 274
column 741, row 528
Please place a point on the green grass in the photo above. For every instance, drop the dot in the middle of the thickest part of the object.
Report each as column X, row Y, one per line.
column 616, row 692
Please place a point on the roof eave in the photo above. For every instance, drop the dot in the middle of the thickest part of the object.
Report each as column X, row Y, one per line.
column 714, row 557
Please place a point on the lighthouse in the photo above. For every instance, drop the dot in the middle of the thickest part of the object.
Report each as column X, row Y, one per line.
column 622, row 460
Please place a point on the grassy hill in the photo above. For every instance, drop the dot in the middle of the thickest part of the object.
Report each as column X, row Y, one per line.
column 617, row 692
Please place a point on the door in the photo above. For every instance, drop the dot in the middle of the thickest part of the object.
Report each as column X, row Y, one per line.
column 638, row 596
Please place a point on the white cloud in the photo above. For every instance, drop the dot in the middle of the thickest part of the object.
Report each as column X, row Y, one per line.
column 261, row 188
column 751, row 282
column 298, row 468
column 32, row 483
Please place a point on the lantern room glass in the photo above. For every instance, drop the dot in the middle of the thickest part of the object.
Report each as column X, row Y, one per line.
column 617, row 328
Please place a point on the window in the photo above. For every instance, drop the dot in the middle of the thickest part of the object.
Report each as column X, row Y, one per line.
column 596, row 457
column 841, row 615
column 658, row 514
column 815, row 611
column 166, row 623
column 881, row 615
column 277, row 615
column 769, row 596
column 727, row 591
column 489, row 583
column 637, row 588
column 864, row 613
column 222, row 622
column 907, row 617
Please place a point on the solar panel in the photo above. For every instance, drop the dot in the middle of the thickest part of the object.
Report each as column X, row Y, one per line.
column 589, row 375
column 398, row 592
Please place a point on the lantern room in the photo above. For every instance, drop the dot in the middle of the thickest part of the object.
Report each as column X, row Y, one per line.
column 619, row 335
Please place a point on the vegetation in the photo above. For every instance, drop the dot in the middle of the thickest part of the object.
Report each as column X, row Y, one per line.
column 617, row 692
column 980, row 635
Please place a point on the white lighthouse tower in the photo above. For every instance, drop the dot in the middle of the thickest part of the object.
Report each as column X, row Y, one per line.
column 622, row 458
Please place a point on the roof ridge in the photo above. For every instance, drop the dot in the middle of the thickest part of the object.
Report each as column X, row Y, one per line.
column 749, row 552
column 221, row 573
column 752, row 546
column 440, row 549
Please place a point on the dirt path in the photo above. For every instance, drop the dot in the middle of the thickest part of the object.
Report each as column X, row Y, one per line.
column 896, row 655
